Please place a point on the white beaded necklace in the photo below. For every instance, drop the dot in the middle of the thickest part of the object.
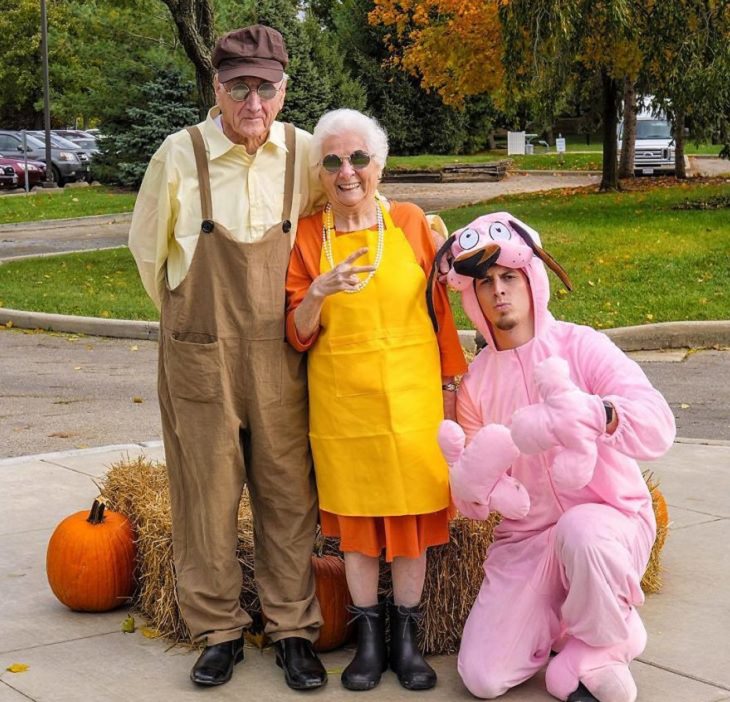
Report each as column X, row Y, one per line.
column 328, row 228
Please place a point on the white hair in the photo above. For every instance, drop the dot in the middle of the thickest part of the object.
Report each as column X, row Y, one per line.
column 346, row 121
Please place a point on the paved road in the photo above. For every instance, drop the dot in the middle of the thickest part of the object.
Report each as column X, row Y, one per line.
column 95, row 233
column 62, row 391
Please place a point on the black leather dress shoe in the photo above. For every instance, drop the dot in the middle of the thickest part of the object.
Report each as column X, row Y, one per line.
column 302, row 669
column 215, row 664
column 581, row 694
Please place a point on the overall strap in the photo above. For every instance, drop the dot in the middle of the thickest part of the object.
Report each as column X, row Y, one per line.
column 201, row 161
column 290, row 138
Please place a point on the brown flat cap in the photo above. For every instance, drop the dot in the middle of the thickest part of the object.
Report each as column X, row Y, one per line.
column 256, row 51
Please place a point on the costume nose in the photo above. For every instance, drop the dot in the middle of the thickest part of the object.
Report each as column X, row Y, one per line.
column 475, row 264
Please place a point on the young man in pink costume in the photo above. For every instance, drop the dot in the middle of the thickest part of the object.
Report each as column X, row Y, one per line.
column 553, row 417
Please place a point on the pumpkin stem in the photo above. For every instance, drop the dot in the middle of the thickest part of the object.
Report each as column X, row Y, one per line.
column 96, row 516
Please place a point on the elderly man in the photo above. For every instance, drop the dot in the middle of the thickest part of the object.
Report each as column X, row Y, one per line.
column 555, row 417
column 212, row 231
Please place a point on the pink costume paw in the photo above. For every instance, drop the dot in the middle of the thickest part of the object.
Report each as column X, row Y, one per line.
column 478, row 472
column 603, row 670
column 567, row 418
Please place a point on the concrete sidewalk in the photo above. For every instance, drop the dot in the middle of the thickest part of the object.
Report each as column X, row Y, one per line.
column 73, row 656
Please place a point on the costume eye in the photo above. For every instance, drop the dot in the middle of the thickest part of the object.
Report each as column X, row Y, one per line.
column 499, row 231
column 468, row 239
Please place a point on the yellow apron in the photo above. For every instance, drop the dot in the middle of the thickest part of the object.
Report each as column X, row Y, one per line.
column 375, row 398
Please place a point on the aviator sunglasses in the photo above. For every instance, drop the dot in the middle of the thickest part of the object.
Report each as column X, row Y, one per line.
column 240, row 91
column 358, row 160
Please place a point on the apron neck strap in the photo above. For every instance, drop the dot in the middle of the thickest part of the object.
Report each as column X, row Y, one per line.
column 387, row 219
column 290, row 139
column 201, row 162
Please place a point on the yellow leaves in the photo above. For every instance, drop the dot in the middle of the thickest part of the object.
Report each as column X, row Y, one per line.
column 684, row 405
column 137, row 400
column 105, row 313
column 9, row 324
column 128, row 626
column 134, row 347
column 17, row 667
column 258, row 639
column 149, row 633
column 649, row 317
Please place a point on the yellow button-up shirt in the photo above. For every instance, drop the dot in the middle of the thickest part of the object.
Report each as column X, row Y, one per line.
column 247, row 192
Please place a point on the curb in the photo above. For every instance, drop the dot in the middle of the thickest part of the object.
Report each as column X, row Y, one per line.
column 647, row 337
column 118, row 218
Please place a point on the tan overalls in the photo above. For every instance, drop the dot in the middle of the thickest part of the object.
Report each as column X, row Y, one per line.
column 233, row 399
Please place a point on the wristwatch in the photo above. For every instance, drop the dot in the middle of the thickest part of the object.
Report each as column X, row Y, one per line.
column 610, row 412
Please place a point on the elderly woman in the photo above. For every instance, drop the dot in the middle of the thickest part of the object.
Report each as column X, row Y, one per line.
column 379, row 380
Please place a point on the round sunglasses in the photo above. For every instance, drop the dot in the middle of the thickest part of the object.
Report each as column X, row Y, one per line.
column 357, row 159
column 241, row 91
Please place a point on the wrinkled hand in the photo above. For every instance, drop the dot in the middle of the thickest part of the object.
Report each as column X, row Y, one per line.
column 477, row 473
column 342, row 277
column 567, row 418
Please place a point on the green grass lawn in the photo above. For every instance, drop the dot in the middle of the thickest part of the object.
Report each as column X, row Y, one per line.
column 579, row 157
column 69, row 203
column 93, row 284
column 632, row 257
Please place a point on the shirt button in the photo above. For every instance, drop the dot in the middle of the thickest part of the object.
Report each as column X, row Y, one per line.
column 207, row 226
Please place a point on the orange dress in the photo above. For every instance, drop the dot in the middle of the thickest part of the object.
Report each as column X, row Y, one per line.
column 403, row 535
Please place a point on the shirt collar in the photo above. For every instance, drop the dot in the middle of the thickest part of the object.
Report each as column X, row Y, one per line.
column 219, row 144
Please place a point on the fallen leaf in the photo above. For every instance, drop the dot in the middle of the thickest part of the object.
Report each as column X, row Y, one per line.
column 591, row 283
column 134, row 348
column 61, row 435
column 684, row 405
column 257, row 640
column 128, row 625
column 137, row 400
column 650, row 317
column 17, row 667
column 9, row 324
column 149, row 632
column 77, row 367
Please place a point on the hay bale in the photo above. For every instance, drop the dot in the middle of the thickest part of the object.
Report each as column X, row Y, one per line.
column 138, row 489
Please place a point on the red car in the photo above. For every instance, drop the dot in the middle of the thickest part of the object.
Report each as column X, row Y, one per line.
column 16, row 167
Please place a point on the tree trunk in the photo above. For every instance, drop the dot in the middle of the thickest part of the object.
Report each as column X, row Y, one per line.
column 628, row 140
column 195, row 28
column 678, row 128
column 611, row 94
column 492, row 141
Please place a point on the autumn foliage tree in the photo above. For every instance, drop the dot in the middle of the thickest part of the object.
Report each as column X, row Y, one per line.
column 454, row 46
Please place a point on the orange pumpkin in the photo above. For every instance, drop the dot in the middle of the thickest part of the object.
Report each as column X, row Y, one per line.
column 90, row 560
column 661, row 513
column 333, row 597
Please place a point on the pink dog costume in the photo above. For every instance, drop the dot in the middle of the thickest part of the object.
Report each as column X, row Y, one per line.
column 565, row 568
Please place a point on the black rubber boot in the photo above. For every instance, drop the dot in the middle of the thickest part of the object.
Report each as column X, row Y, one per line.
column 371, row 658
column 405, row 659
column 581, row 694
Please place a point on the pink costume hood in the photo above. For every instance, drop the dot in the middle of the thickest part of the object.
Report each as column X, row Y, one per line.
column 498, row 238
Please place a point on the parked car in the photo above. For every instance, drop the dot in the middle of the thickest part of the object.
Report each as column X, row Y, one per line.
column 8, row 176
column 654, row 147
column 66, row 161
column 85, row 155
column 82, row 139
column 36, row 171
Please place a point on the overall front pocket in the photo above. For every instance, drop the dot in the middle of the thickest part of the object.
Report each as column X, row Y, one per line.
column 193, row 366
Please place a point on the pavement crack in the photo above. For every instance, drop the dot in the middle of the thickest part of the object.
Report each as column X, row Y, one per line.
column 58, row 643
column 682, row 674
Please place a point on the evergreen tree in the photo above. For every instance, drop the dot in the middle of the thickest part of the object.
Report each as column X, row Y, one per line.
column 167, row 105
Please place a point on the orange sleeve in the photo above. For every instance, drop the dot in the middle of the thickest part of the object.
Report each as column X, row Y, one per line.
column 303, row 269
column 412, row 221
